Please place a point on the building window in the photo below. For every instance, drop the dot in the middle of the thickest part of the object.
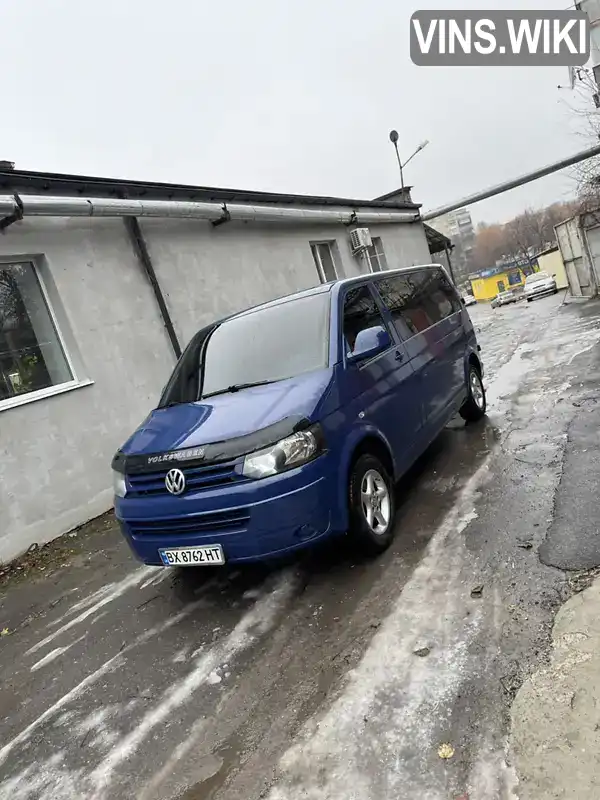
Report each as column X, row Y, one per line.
column 324, row 260
column 377, row 257
column 32, row 357
column 514, row 278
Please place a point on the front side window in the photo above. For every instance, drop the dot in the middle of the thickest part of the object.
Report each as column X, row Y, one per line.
column 31, row 354
column 417, row 300
column 360, row 312
column 324, row 260
column 267, row 345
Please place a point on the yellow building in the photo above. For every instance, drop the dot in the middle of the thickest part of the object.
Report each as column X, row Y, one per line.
column 551, row 262
column 488, row 283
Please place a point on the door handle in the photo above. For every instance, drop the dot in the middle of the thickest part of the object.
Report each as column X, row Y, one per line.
column 399, row 355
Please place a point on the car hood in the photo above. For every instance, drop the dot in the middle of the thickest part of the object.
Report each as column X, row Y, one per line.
column 227, row 416
column 542, row 284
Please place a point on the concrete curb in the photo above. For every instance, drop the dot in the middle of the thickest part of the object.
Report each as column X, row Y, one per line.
column 555, row 737
column 570, row 300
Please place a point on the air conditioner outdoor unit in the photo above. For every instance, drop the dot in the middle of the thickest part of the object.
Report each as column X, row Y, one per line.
column 360, row 240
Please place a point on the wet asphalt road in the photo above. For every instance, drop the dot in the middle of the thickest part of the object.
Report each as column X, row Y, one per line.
column 301, row 680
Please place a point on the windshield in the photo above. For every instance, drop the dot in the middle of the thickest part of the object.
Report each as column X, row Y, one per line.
column 270, row 344
column 537, row 276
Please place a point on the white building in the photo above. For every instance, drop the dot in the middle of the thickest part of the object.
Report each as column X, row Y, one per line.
column 103, row 282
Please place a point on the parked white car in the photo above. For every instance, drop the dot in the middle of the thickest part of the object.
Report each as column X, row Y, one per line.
column 469, row 300
column 505, row 298
column 539, row 284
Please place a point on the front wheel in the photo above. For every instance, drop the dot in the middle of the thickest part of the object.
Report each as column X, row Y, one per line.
column 371, row 505
column 474, row 407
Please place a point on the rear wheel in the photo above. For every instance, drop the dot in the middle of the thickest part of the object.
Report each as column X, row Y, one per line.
column 371, row 505
column 474, row 407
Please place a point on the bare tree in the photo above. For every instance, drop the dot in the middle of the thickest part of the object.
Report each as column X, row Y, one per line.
column 521, row 238
column 583, row 105
column 489, row 245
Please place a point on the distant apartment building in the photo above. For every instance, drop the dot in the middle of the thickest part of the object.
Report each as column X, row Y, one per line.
column 458, row 226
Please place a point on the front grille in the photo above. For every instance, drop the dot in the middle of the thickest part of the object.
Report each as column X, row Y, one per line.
column 232, row 520
column 205, row 476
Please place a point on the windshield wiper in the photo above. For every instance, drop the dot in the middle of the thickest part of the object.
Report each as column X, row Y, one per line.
column 236, row 387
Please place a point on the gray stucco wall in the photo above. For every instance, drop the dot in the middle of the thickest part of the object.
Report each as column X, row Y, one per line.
column 56, row 452
column 209, row 272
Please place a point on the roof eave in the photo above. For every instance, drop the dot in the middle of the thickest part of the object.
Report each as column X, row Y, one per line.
column 63, row 185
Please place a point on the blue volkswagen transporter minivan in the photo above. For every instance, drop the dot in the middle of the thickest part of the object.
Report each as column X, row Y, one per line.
column 291, row 421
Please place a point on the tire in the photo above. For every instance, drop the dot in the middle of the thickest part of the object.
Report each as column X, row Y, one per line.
column 474, row 407
column 529, row 299
column 368, row 474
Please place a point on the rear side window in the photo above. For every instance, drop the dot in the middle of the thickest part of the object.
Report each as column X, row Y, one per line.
column 360, row 312
column 418, row 300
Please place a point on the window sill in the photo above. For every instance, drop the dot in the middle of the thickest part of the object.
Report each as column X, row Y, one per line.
column 42, row 394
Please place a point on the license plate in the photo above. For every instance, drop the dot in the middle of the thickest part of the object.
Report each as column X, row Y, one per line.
column 193, row 556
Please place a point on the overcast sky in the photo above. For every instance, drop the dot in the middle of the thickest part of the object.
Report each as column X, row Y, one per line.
column 275, row 95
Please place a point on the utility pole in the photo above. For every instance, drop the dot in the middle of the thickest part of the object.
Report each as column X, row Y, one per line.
column 591, row 8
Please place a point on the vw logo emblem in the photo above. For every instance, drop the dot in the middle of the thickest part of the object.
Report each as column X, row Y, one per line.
column 175, row 481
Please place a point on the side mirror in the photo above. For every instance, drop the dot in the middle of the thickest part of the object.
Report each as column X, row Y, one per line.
column 369, row 343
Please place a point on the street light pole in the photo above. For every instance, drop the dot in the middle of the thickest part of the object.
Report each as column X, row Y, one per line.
column 418, row 150
column 394, row 141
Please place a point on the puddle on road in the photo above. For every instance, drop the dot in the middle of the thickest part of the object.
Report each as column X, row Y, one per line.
column 224, row 759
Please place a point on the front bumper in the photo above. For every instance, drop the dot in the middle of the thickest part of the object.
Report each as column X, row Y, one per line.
column 252, row 520
column 541, row 292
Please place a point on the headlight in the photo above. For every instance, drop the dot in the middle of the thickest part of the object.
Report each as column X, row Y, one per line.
column 119, row 485
column 293, row 451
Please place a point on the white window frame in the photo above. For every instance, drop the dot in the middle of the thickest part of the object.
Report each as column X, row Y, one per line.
column 77, row 380
column 331, row 244
column 378, row 256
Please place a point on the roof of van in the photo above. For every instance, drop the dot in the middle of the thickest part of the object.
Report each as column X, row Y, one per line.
column 327, row 287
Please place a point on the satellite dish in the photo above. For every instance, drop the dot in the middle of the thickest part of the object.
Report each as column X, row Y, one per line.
column 393, row 136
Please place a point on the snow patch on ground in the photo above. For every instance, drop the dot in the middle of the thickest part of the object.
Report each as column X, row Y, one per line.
column 255, row 622
column 77, row 691
column 104, row 596
column 386, row 713
column 181, row 655
column 53, row 780
column 53, row 655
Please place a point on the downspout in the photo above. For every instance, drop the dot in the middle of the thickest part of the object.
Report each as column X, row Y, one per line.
column 140, row 247
column 15, row 216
